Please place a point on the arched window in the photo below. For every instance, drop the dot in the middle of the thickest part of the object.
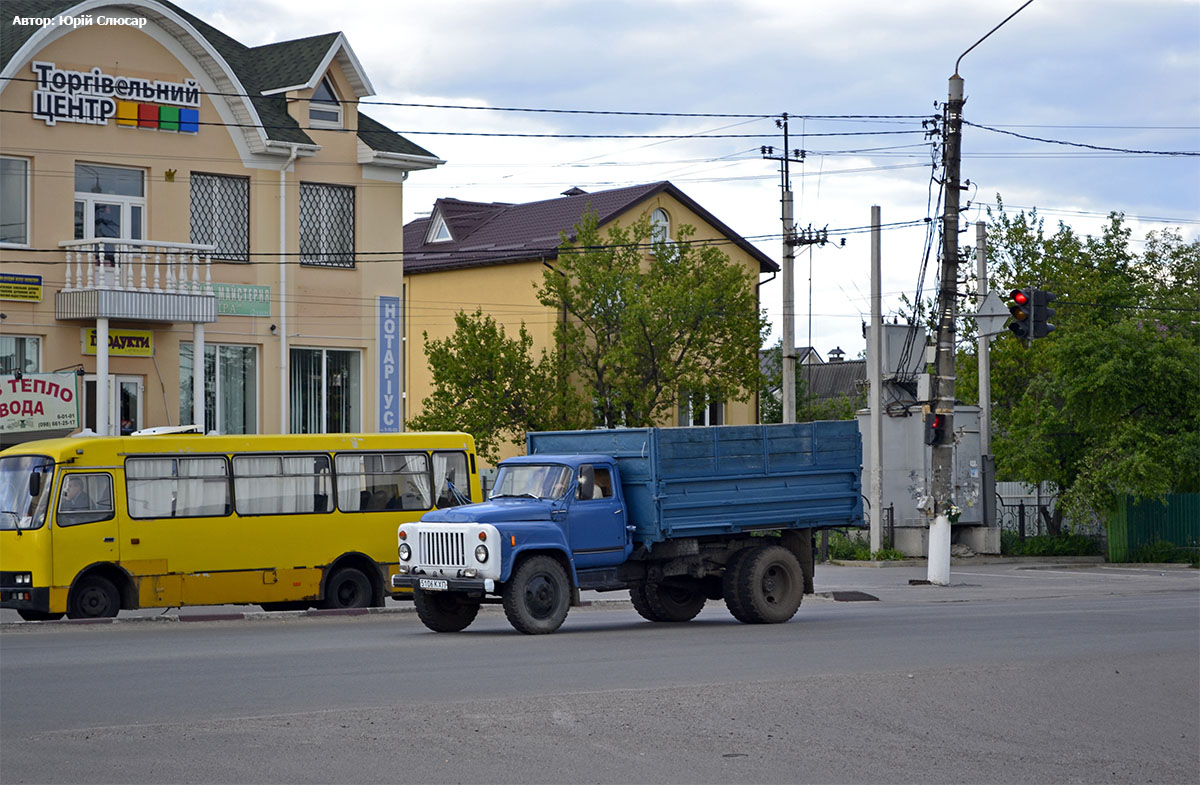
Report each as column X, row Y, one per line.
column 324, row 109
column 660, row 227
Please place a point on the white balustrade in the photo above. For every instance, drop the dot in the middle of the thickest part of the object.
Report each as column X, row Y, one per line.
column 111, row 264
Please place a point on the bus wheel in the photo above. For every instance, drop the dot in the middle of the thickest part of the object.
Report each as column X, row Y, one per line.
column 445, row 611
column 29, row 615
column 93, row 598
column 347, row 588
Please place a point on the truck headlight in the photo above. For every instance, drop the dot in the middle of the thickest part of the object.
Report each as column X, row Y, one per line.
column 405, row 552
column 481, row 554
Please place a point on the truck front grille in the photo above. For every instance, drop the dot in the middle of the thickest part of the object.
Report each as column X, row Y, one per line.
column 442, row 549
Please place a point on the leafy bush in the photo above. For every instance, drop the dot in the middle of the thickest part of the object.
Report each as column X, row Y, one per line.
column 1163, row 552
column 852, row 547
column 1065, row 544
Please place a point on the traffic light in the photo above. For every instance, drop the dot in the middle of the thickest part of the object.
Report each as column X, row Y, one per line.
column 937, row 428
column 1021, row 310
column 1042, row 313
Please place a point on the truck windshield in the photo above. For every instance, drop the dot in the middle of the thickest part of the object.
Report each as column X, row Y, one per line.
column 535, row 482
column 19, row 508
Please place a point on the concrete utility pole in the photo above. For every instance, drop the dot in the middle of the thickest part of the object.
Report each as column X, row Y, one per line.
column 787, row 346
column 875, row 379
column 942, row 483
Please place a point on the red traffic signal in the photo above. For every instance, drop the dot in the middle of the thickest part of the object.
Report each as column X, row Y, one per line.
column 937, row 428
column 1021, row 310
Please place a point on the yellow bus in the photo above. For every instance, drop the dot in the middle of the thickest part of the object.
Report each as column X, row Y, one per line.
column 91, row 526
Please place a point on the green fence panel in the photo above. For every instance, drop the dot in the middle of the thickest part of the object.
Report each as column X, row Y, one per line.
column 1175, row 519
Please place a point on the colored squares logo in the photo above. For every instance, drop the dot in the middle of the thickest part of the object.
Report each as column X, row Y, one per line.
column 163, row 118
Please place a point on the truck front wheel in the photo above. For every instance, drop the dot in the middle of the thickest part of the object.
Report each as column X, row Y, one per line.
column 537, row 596
column 764, row 585
column 444, row 611
column 677, row 601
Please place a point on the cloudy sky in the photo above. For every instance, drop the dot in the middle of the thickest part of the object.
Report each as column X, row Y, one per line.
column 1109, row 73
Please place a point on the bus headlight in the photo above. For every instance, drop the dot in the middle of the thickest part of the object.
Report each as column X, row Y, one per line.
column 24, row 579
column 481, row 554
column 405, row 552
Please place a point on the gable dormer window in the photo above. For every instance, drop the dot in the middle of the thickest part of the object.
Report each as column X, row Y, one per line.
column 438, row 231
column 324, row 109
column 660, row 226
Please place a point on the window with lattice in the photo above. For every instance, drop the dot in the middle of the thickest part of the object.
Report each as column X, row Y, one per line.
column 326, row 225
column 220, row 215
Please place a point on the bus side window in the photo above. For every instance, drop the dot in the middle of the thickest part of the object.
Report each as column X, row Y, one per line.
column 85, row 498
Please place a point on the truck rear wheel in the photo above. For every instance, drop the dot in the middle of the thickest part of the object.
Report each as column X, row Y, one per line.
column 537, row 596
column 767, row 585
column 445, row 611
column 677, row 601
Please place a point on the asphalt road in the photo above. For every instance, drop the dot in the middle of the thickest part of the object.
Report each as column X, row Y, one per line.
column 1014, row 673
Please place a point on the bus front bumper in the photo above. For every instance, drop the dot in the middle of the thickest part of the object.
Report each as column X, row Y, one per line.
column 25, row 598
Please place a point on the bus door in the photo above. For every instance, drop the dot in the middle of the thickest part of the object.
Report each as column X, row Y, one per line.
column 85, row 526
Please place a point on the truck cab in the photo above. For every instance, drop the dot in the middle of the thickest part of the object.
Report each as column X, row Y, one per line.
column 564, row 515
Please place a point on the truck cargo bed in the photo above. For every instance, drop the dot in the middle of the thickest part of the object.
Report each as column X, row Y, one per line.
column 702, row 481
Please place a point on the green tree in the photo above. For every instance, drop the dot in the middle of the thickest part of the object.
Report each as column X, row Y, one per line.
column 639, row 334
column 489, row 385
column 1109, row 403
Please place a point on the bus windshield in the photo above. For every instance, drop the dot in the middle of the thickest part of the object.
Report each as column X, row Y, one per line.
column 20, row 507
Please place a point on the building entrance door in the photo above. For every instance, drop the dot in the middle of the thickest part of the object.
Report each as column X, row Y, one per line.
column 124, row 403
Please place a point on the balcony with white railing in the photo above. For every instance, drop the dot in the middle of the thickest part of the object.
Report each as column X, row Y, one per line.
column 137, row 280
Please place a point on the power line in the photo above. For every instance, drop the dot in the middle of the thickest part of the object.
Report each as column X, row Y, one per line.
column 1082, row 144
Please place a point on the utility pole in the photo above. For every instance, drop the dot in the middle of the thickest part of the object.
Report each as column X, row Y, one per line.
column 942, row 484
column 787, row 345
column 875, row 377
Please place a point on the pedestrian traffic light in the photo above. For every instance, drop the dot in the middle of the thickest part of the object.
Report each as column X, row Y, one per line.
column 1042, row 313
column 1021, row 310
column 937, row 428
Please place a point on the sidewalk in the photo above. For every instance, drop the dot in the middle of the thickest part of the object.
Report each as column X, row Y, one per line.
column 975, row 579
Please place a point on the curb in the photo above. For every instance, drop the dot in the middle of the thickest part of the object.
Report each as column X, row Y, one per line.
column 279, row 616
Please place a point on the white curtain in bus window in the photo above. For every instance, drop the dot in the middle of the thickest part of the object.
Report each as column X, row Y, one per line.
column 203, row 488
column 282, row 484
column 383, row 481
column 177, row 487
column 450, row 479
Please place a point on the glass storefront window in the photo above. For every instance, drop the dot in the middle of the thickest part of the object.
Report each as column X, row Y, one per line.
column 230, row 387
column 326, row 387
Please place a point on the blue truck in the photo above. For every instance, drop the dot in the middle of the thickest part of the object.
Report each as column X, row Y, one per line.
column 675, row 516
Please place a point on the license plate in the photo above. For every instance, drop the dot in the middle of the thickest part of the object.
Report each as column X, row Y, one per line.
column 432, row 584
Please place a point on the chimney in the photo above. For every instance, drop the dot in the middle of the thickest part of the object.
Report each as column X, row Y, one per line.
column 574, row 191
column 836, row 355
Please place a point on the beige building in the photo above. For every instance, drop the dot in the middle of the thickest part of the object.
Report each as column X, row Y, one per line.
column 469, row 255
column 192, row 229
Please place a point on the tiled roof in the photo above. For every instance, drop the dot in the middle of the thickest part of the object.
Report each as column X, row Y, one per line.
column 493, row 233
column 378, row 136
column 835, row 379
column 290, row 63
column 259, row 69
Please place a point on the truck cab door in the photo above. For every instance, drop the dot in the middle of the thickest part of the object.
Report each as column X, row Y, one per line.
column 596, row 519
